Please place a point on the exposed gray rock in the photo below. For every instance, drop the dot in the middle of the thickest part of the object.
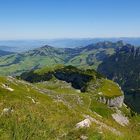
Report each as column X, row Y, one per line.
column 6, row 86
column 83, row 137
column 103, row 125
column 7, row 111
column 112, row 102
column 84, row 124
column 120, row 118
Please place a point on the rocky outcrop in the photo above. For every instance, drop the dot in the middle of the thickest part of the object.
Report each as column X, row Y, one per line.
column 103, row 125
column 7, row 111
column 112, row 102
column 84, row 124
column 6, row 86
column 120, row 118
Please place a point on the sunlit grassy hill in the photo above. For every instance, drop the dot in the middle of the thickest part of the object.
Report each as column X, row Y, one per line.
column 52, row 110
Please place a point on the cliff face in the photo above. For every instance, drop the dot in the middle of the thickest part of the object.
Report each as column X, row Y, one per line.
column 112, row 102
column 123, row 67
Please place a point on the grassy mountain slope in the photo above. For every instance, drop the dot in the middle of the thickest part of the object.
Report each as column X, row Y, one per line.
column 90, row 58
column 51, row 109
column 79, row 79
column 18, row 63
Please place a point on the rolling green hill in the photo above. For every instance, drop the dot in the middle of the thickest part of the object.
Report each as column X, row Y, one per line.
column 55, row 108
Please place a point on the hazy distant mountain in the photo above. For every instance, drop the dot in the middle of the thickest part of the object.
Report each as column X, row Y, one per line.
column 88, row 56
column 25, row 45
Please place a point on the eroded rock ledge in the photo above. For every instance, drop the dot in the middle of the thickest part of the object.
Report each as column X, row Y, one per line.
column 112, row 102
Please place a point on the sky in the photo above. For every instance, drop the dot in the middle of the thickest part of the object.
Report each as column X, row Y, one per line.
column 45, row 19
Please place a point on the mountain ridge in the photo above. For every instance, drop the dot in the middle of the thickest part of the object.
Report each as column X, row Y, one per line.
column 25, row 45
column 50, row 55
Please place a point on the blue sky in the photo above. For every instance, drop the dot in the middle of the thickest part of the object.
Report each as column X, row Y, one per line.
column 41, row 19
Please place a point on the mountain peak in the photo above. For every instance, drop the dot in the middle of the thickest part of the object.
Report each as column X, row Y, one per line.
column 130, row 49
column 42, row 51
column 46, row 47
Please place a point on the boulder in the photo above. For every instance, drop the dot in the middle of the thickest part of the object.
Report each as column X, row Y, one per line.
column 84, row 124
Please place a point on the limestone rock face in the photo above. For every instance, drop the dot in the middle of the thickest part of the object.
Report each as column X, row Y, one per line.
column 112, row 102
column 120, row 118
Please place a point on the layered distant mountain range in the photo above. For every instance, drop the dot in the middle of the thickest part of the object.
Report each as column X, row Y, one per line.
column 117, row 61
column 25, row 45
column 89, row 56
